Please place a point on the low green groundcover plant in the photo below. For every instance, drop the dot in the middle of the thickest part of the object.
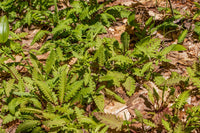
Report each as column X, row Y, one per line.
column 53, row 96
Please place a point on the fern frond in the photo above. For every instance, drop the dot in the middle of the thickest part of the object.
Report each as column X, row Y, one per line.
column 8, row 118
column 99, row 101
column 149, row 123
column 74, row 88
column 129, row 85
column 62, row 86
column 118, row 98
column 54, row 123
column 28, row 17
column 30, row 110
column 166, row 125
column 50, row 61
column 181, row 100
column 45, row 89
column 39, row 36
column 14, row 103
column 120, row 59
column 27, row 125
column 110, row 120
column 9, row 87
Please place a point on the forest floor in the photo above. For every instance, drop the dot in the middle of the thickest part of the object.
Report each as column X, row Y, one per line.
column 180, row 60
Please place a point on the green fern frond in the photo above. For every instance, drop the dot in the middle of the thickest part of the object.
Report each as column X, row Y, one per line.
column 14, row 103
column 9, row 87
column 110, row 120
column 129, row 85
column 55, row 123
column 139, row 115
column 99, row 101
column 118, row 98
column 15, row 73
column 14, row 36
column 179, row 128
column 62, row 86
column 50, row 61
column 167, row 125
column 30, row 110
column 116, row 76
column 73, row 90
column 120, row 59
column 39, row 36
column 101, row 56
column 27, row 125
column 28, row 17
column 45, row 89
column 8, row 118
column 181, row 100
column 149, row 123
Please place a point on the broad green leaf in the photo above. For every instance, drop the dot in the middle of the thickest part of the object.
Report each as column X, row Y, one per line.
column 131, row 19
column 4, row 29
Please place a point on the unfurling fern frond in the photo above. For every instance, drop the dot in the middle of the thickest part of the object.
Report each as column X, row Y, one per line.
column 110, row 120
column 45, row 89
column 99, row 101
column 27, row 125
column 181, row 100
column 39, row 36
column 129, row 85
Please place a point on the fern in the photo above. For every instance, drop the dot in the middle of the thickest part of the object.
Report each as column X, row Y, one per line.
column 166, row 125
column 118, row 98
column 55, row 123
column 110, row 120
column 39, row 36
column 115, row 76
column 8, row 118
column 181, row 100
column 44, row 88
column 27, row 125
column 149, row 123
column 62, row 86
column 74, row 88
column 28, row 17
column 99, row 101
column 101, row 56
column 31, row 110
column 50, row 61
column 129, row 85
column 9, row 87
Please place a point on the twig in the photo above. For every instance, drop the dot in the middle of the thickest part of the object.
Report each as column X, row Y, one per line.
column 171, row 7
